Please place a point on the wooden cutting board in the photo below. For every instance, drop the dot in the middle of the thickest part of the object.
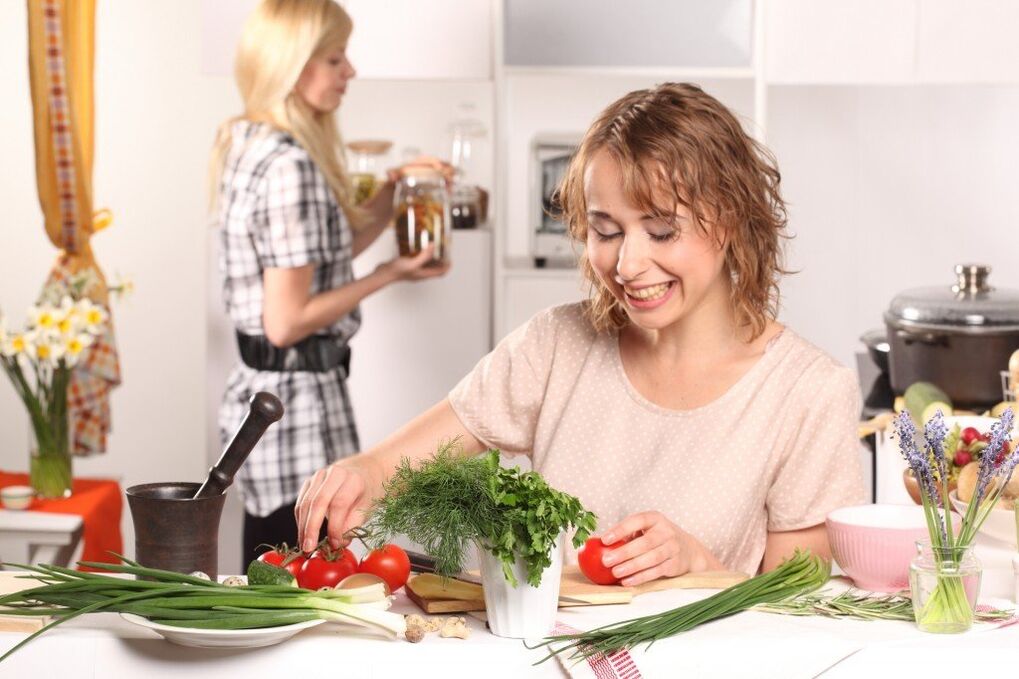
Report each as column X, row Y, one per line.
column 577, row 590
column 10, row 583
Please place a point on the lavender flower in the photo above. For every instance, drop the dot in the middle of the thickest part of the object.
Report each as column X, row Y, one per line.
column 920, row 463
column 934, row 434
column 990, row 464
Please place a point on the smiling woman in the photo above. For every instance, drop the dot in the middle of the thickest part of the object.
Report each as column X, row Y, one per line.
column 702, row 432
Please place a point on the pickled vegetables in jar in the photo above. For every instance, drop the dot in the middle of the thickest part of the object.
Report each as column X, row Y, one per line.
column 421, row 204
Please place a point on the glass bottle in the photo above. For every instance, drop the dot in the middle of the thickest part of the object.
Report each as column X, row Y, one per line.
column 421, row 204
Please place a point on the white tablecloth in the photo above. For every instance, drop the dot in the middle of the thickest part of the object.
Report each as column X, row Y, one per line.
column 747, row 645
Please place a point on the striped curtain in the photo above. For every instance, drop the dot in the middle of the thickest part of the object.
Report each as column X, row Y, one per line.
column 61, row 50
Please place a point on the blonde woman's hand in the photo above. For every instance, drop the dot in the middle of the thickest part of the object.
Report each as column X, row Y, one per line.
column 340, row 493
column 414, row 268
column 657, row 548
column 441, row 166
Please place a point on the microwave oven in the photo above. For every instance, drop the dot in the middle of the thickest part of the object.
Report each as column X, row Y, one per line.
column 550, row 243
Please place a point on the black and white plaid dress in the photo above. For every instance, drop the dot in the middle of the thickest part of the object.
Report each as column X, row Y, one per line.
column 275, row 209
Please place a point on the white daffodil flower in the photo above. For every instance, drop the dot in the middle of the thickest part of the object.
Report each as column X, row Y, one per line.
column 93, row 316
column 75, row 346
column 14, row 345
column 43, row 317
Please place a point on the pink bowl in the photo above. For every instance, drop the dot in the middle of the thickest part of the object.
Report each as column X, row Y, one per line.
column 874, row 544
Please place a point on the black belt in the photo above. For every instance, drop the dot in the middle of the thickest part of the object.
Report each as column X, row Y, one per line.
column 317, row 353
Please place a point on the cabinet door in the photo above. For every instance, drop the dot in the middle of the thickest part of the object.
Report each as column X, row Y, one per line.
column 967, row 42
column 406, row 39
column 417, row 340
column 526, row 294
column 834, row 41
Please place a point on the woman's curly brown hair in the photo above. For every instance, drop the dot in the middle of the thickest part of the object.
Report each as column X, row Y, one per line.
column 677, row 145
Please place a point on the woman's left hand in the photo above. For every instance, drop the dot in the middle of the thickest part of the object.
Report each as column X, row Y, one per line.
column 657, row 548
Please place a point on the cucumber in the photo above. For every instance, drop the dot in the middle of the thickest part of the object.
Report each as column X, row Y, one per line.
column 262, row 573
column 923, row 399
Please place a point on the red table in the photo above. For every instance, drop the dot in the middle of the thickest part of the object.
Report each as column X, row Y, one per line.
column 99, row 503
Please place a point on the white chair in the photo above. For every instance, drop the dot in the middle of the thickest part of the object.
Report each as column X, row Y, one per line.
column 33, row 538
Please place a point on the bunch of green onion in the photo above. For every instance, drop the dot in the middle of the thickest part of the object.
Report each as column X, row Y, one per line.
column 180, row 600
column 801, row 574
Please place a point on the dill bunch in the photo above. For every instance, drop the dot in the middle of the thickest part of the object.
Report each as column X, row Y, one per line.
column 441, row 505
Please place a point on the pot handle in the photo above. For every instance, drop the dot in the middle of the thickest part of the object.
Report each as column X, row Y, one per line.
column 931, row 339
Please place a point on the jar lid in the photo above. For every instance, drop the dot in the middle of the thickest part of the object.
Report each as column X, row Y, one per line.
column 970, row 303
column 371, row 147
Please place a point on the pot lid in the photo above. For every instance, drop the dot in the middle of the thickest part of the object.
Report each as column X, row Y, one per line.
column 971, row 302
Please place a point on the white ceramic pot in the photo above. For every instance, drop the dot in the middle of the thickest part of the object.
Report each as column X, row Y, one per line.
column 521, row 612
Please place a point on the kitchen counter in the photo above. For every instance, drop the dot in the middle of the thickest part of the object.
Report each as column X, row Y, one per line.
column 750, row 644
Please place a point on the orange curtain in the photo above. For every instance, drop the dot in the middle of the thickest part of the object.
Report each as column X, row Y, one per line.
column 61, row 57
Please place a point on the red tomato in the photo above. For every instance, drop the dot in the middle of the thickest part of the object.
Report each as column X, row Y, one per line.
column 389, row 563
column 962, row 458
column 326, row 567
column 969, row 435
column 590, row 560
column 290, row 559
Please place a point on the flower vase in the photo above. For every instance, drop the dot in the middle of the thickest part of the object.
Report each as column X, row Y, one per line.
column 945, row 583
column 50, row 462
column 523, row 611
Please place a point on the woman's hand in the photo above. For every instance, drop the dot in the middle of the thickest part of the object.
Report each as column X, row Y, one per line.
column 442, row 167
column 340, row 493
column 413, row 268
column 657, row 548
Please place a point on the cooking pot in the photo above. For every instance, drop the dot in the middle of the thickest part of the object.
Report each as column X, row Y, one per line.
column 959, row 337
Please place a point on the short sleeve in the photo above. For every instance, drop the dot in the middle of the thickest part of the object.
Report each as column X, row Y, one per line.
column 291, row 222
column 500, row 400
column 821, row 470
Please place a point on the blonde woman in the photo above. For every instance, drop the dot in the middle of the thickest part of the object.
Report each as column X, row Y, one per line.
column 289, row 231
column 672, row 403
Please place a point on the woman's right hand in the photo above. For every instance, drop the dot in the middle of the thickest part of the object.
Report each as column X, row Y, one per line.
column 340, row 493
column 414, row 268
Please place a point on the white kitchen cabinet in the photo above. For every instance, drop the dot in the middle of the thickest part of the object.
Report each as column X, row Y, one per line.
column 411, row 39
column 418, row 339
column 902, row 42
column 528, row 291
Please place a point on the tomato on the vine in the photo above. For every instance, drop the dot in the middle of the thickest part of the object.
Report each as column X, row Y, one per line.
column 390, row 563
column 285, row 557
column 326, row 567
column 590, row 560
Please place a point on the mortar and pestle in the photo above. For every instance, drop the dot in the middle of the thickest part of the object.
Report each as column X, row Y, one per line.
column 176, row 524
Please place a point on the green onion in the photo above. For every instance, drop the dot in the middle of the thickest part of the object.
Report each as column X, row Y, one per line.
column 185, row 601
column 801, row 574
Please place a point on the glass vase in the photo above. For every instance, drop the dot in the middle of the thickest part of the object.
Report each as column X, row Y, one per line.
column 945, row 583
column 50, row 462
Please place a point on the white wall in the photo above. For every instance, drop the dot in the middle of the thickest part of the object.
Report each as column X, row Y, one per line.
column 889, row 188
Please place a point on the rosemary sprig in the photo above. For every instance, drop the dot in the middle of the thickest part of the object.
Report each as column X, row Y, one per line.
column 801, row 574
column 860, row 606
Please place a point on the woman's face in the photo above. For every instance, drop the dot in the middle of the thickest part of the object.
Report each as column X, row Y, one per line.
column 659, row 272
column 324, row 79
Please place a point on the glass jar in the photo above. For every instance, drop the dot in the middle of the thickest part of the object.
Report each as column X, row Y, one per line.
column 945, row 584
column 367, row 158
column 465, row 207
column 421, row 204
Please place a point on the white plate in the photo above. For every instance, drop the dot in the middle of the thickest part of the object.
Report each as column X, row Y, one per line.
column 222, row 638
column 1000, row 523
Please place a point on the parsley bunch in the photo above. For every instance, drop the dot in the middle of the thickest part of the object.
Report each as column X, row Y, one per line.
column 450, row 501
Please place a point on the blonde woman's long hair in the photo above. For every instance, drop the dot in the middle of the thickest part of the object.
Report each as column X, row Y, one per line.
column 278, row 40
